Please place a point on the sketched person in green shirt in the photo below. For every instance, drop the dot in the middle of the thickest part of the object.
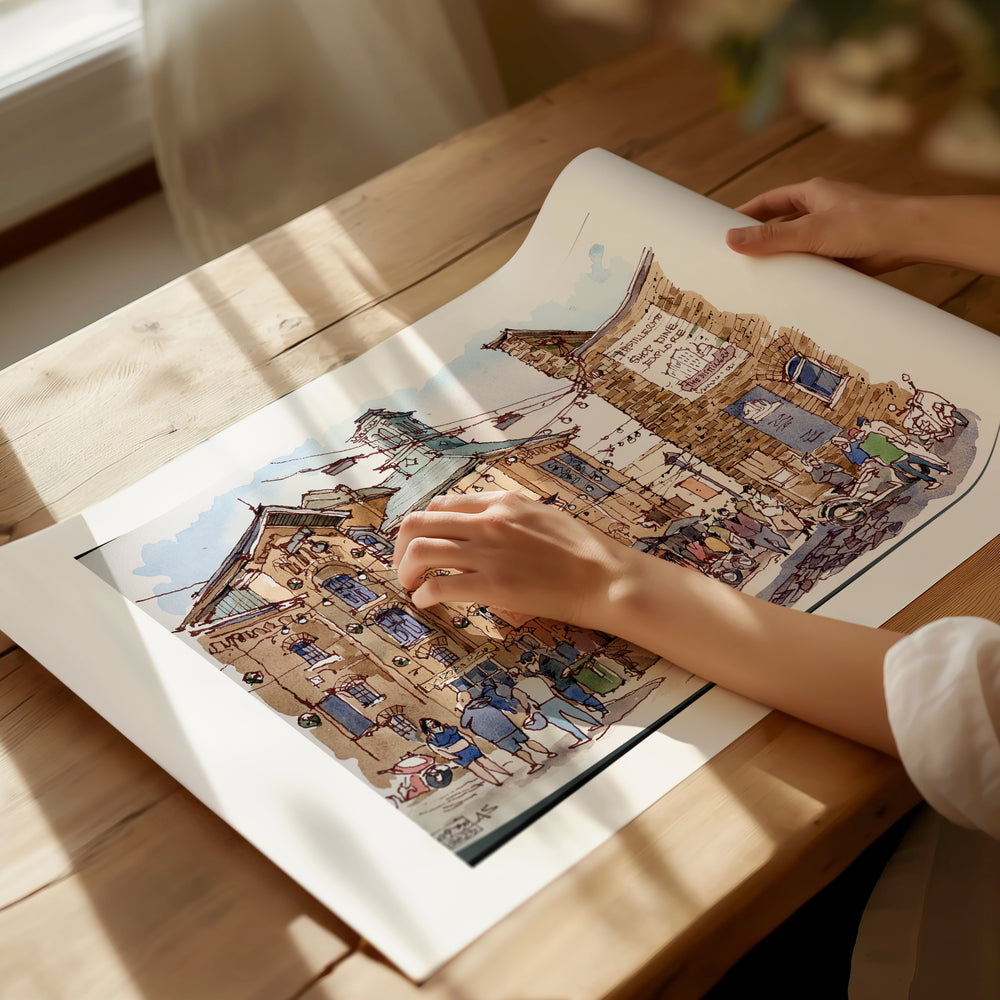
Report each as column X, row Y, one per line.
column 884, row 442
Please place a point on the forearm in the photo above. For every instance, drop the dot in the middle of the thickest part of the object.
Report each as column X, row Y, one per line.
column 960, row 230
column 821, row 670
column 534, row 560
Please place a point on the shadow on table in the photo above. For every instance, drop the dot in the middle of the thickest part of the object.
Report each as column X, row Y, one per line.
column 117, row 881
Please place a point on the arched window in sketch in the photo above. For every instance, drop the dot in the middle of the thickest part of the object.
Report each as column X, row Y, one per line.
column 359, row 690
column 393, row 718
column 305, row 646
column 444, row 655
column 350, row 590
column 404, row 628
column 814, row 377
column 378, row 546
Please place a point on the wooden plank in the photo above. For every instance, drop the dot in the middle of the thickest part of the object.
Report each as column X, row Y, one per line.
column 362, row 972
column 236, row 334
column 118, row 883
column 61, row 770
column 338, row 270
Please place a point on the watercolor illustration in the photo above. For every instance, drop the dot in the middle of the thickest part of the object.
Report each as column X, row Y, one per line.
column 709, row 438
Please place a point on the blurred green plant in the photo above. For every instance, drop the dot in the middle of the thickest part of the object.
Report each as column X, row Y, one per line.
column 854, row 64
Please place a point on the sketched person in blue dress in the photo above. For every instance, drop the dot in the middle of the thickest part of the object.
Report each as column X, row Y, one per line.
column 449, row 743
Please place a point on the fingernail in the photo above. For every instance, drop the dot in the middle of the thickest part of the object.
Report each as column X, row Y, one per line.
column 738, row 237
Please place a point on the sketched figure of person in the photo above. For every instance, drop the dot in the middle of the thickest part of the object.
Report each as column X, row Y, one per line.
column 559, row 674
column 929, row 416
column 829, row 473
column 480, row 717
column 536, row 696
column 448, row 742
column 877, row 439
column 500, row 695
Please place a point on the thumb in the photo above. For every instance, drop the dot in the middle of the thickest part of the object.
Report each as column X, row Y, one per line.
column 774, row 237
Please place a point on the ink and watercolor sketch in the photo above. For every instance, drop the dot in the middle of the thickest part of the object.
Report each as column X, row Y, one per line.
column 712, row 439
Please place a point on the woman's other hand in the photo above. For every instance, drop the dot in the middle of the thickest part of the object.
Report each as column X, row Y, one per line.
column 864, row 228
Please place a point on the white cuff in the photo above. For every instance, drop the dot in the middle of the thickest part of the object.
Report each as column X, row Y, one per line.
column 942, row 689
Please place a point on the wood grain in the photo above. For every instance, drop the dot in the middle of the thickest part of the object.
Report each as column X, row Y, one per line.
column 110, row 868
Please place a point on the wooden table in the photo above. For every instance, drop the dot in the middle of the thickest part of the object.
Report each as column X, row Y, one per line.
column 117, row 883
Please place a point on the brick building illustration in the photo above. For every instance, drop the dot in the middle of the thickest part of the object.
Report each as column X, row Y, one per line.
column 782, row 454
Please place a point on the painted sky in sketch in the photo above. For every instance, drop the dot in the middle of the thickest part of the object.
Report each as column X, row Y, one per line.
column 190, row 542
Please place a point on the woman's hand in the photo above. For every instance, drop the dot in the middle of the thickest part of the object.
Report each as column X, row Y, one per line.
column 867, row 229
column 517, row 554
column 512, row 553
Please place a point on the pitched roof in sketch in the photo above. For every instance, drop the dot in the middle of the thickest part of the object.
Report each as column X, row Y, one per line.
column 442, row 460
column 350, row 501
column 559, row 342
column 221, row 597
column 452, row 464
column 631, row 297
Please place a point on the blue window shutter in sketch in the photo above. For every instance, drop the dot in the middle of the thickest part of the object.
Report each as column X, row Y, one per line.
column 812, row 376
column 404, row 628
column 349, row 590
column 401, row 725
column 354, row 722
column 589, row 470
column 308, row 650
column 444, row 655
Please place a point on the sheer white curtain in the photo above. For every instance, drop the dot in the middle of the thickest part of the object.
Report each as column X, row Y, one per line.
column 263, row 109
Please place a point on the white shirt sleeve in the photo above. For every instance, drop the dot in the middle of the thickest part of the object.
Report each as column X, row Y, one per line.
column 942, row 688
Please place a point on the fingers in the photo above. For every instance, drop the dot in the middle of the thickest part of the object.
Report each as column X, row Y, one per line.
column 423, row 554
column 459, row 532
column 775, row 237
column 792, row 199
column 464, row 503
column 453, row 515
column 457, row 588
column 430, row 524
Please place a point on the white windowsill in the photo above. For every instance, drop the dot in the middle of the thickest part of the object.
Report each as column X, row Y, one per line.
column 74, row 109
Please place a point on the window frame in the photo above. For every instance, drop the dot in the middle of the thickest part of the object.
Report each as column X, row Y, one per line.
column 73, row 120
